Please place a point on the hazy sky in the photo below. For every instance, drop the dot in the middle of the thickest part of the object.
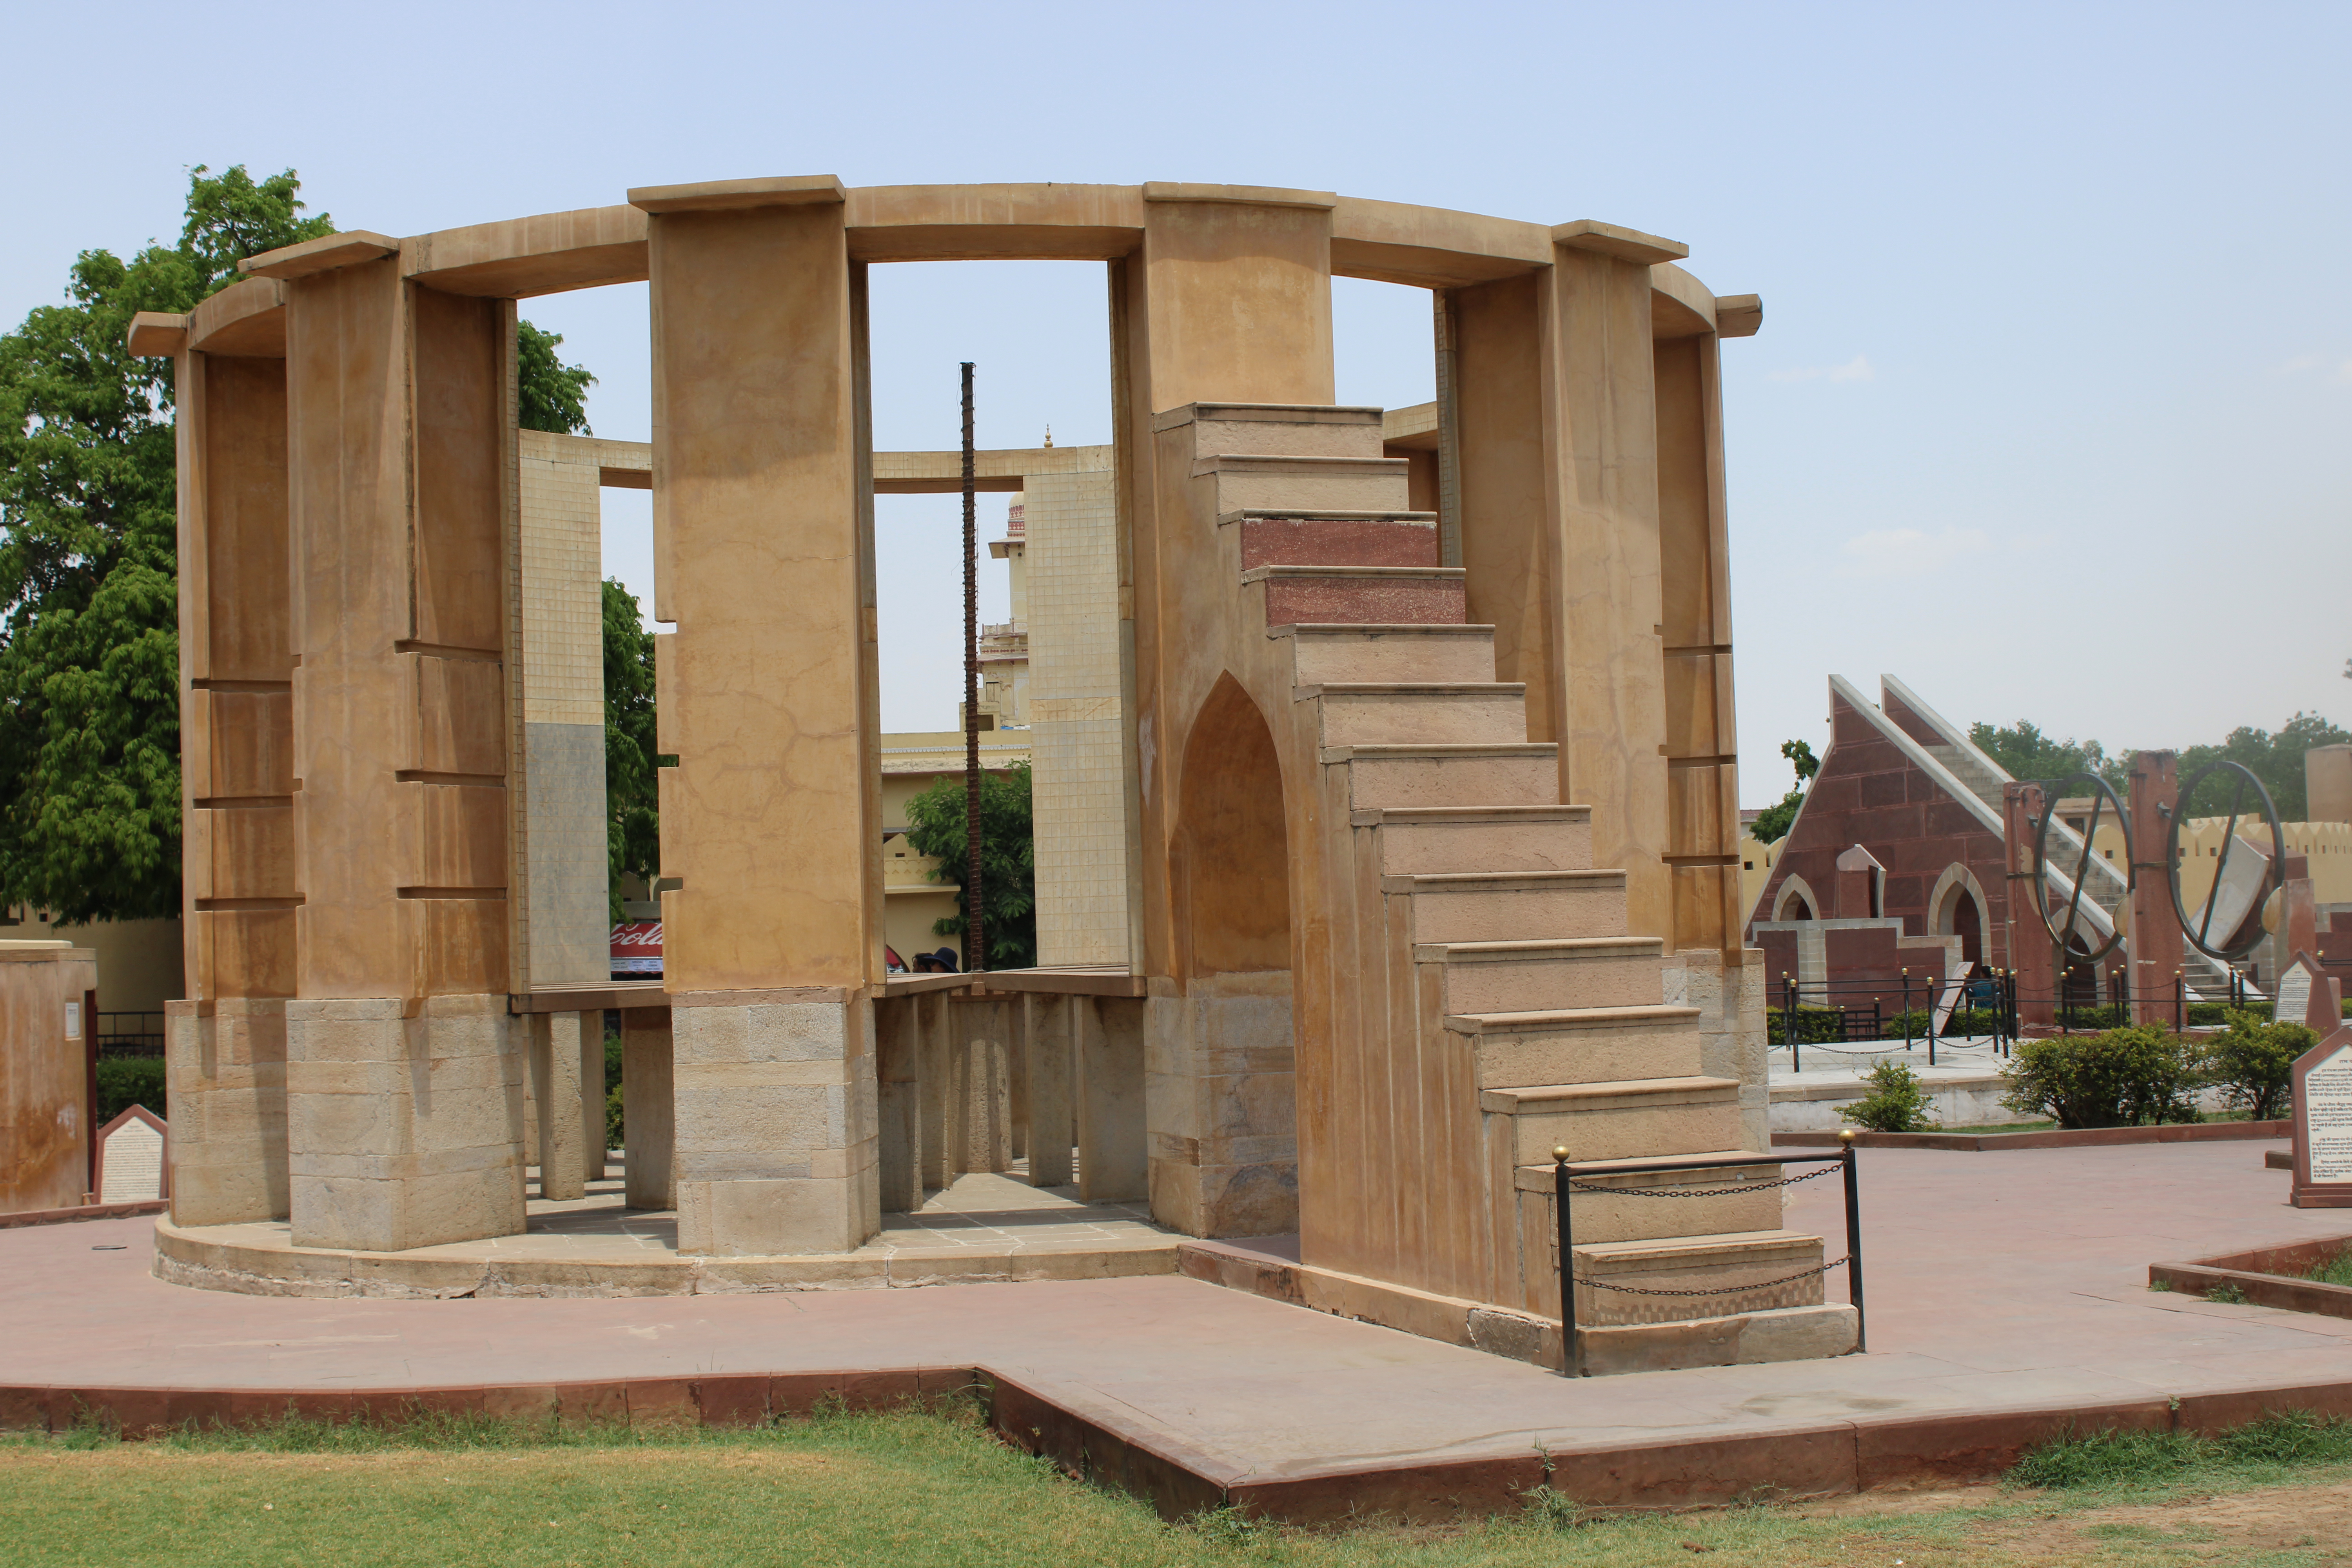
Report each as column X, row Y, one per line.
column 2048, row 414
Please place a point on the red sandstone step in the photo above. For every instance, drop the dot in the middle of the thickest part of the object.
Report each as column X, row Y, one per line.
column 1304, row 538
column 1388, row 651
column 1501, row 906
column 1421, row 595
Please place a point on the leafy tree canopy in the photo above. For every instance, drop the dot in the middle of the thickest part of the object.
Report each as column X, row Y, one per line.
column 935, row 822
column 2276, row 759
column 1773, row 824
column 89, row 774
column 2029, row 754
column 631, row 802
column 551, row 396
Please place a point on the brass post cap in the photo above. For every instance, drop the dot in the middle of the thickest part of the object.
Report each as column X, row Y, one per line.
column 1845, row 1136
column 1560, row 1154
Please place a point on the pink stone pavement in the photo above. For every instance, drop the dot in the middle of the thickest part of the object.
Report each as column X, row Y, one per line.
column 2001, row 1282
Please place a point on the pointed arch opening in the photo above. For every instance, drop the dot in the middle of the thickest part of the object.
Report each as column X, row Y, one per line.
column 1232, row 860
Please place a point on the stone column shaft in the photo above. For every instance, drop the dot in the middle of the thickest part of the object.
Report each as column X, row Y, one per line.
column 1051, row 1020
column 648, row 1109
column 559, row 1085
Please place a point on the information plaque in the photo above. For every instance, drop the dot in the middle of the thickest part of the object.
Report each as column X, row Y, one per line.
column 2323, row 1123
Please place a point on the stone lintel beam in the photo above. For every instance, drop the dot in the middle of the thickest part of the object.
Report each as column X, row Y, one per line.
column 1739, row 315
column 735, row 196
column 157, row 334
column 321, row 254
column 1625, row 244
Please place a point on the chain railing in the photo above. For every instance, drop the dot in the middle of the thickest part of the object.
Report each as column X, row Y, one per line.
column 1567, row 1179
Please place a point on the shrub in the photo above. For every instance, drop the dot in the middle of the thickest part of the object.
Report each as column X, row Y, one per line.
column 1897, row 1102
column 613, row 1128
column 2213, row 1015
column 2252, row 1063
column 2121, row 1078
column 1815, row 1027
column 126, row 1081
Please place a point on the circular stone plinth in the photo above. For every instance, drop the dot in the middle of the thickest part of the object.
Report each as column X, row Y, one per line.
column 983, row 1229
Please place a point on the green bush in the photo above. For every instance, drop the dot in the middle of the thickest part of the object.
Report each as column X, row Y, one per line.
column 2252, row 1063
column 2213, row 1015
column 613, row 1128
column 1815, row 1027
column 126, row 1081
column 1897, row 1102
column 2121, row 1077
column 2108, row 1018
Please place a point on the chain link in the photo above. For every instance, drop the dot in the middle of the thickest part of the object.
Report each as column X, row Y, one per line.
column 1575, row 1185
column 1732, row 1290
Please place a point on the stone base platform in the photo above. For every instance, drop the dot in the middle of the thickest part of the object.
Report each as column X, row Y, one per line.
column 984, row 1229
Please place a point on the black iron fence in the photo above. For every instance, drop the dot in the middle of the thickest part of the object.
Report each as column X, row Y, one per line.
column 1573, row 1177
column 129, row 1034
column 1824, row 1012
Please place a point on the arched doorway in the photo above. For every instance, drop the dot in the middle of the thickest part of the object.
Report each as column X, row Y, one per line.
column 1957, row 908
column 1795, row 901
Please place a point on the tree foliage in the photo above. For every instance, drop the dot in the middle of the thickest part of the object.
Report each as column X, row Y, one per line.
column 632, row 800
column 2276, row 759
column 2030, row 755
column 936, row 823
column 1772, row 826
column 550, row 394
column 89, row 776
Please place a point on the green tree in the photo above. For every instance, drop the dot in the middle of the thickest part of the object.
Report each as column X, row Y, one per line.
column 2033, row 756
column 935, row 822
column 1773, row 824
column 632, row 799
column 549, row 394
column 89, row 776
column 2275, row 758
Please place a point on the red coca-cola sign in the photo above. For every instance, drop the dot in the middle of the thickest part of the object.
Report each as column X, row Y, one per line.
column 637, row 949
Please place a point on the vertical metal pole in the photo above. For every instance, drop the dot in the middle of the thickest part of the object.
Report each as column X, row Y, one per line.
column 1571, row 1361
column 1906, row 1011
column 1853, row 1240
column 2180, row 1003
column 89, row 1067
column 975, row 935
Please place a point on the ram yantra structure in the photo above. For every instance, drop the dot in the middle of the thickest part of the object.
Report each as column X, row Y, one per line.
column 1431, row 824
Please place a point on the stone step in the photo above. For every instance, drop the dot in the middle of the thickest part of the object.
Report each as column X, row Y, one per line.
column 1255, row 481
column 1629, row 1119
column 1500, row 906
column 1300, row 537
column 1717, row 1262
column 1361, row 595
column 1354, row 713
column 1388, row 651
column 1542, row 976
column 1581, row 1044
column 1276, row 429
column 1433, row 838
column 1522, row 774
column 1599, row 1218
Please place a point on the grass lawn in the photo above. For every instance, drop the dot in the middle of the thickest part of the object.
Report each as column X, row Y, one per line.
column 913, row 1489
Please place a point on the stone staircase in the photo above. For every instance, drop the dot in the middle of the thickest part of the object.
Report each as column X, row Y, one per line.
column 1527, row 1014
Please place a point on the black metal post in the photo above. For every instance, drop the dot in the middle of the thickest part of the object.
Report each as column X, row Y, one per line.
column 1906, row 1010
column 1853, row 1241
column 2180, row 1003
column 1571, row 1361
column 975, row 935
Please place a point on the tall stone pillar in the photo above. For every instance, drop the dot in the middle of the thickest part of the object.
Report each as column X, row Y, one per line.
column 226, row 1044
column 1556, row 380
column 1228, row 300
column 561, row 1088
column 762, row 543
column 2154, row 944
column 648, row 1109
column 404, row 1074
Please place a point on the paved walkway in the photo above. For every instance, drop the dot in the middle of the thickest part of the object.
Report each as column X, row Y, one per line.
column 1995, row 1281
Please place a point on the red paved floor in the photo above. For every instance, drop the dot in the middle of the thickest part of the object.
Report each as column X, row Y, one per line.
column 1995, row 1280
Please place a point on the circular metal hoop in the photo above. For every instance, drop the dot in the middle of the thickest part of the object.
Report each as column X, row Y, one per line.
column 2061, row 936
column 2196, row 933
